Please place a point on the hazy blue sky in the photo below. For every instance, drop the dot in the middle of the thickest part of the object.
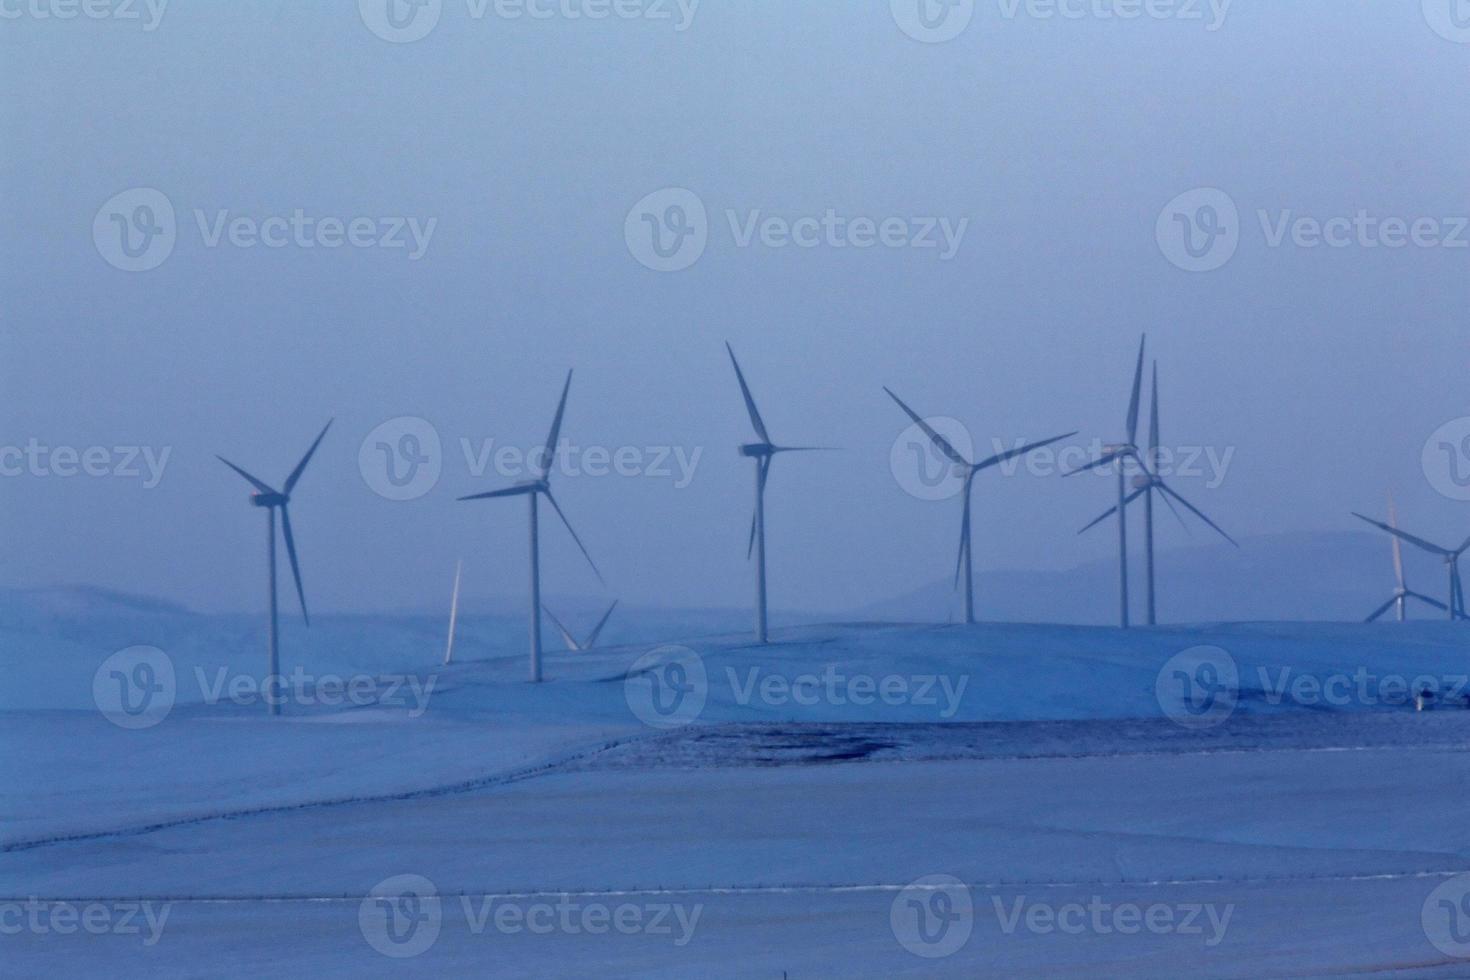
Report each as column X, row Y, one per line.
column 528, row 141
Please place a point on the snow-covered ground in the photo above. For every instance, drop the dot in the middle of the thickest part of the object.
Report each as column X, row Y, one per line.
column 1228, row 800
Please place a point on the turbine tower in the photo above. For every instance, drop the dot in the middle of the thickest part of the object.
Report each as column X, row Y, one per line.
column 762, row 452
column 1402, row 593
column 273, row 500
column 968, row 471
column 571, row 641
column 1119, row 454
column 533, row 490
column 1456, row 606
column 1146, row 484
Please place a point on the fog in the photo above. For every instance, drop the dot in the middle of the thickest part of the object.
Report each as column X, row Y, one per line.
column 496, row 163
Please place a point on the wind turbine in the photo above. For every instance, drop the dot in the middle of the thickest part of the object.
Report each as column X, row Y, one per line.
column 1456, row 607
column 1402, row 593
column 273, row 500
column 969, row 471
column 532, row 490
column 762, row 452
column 1146, row 484
column 591, row 641
column 1119, row 454
column 453, row 613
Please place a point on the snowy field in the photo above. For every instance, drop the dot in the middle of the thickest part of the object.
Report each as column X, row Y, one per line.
column 854, row 800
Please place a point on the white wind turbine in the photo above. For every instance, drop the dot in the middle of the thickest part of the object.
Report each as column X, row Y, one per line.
column 533, row 490
column 969, row 471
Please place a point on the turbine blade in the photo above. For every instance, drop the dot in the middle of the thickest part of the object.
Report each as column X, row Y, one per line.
column 1415, row 541
column 257, row 484
column 1137, row 392
column 764, row 464
column 597, row 630
column 804, row 449
column 1197, row 512
column 940, row 443
column 1101, row 461
column 1153, row 420
column 566, row 635
column 1424, row 598
column 585, row 554
column 291, row 553
column 1378, row 613
column 301, row 466
column 1023, row 450
column 1398, row 548
column 516, row 491
column 548, row 455
column 1114, row 509
column 1177, row 516
column 755, row 415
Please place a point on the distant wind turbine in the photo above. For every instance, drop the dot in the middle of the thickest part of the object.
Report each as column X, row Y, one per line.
column 1119, row 454
column 1402, row 593
column 532, row 490
column 1146, row 484
column 273, row 500
column 1456, row 607
column 762, row 452
column 969, row 471
column 453, row 613
column 571, row 641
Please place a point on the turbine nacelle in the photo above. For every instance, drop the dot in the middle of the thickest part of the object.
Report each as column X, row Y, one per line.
column 269, row 499
column 757, row 450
